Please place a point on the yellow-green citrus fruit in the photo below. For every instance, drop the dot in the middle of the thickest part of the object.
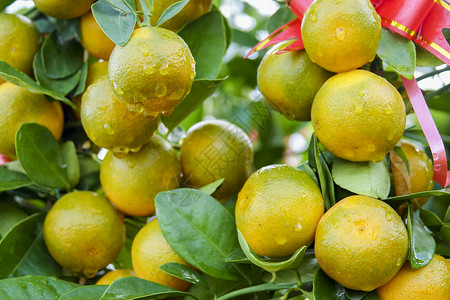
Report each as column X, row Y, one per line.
column 289, row 81
column 64, row 9
column 109, row 124
column 361, row 243
column 278, row 209
column 151, row 250
column 430, row 282
column 19, row 42
column 132, row 182
column 358, row 116
column 216, row 149
column 83, row 232
column 19, row 106
column 112, row 276
column 153, row 72
column 9, row 216
column 341, row 35
column 93, row 39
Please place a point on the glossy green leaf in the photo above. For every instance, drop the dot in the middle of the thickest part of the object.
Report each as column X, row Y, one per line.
column 421, row 243
column 129, row 288
column 5, row 3
column 171, row 11
column 445, row 233
column 62, row 86
column 447, row 215
column 279, row 18
column 435, row 193
column 40, row 156
column 355, row 295
column 200, row 91
column 23, row 252
column 21, row 79
column 272, row 265
column 61, row 59
column 325, row 288
column 363, row 178
column 212, row 187
column 325, row 178
column 10, row 180
column 123, row 261
column 257, row 288
column 89, row 292
column 69, row 153
column 200, row 230
column 206, row 37
column 372, row 296
column 116, row 24
column 431, row 220
column 238, row 256
column 34, row 287
column 399, row 151
column 69, row 29
column 185, row 273
column 81, row 86
column 397, row 52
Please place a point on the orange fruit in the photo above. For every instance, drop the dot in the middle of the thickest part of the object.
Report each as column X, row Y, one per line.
column 153, row 72
column 289, row 81
column 19, row 42
column 83, row 232
column 341, row 35
column 278, row 209
column 216, row 149
column 151, row 250
column 132, row 181
column 430, row 282
column 19, row 106
column 361, row 243
column 93, row 39
column 64, row 9
column 112, row 276
column 358, row 116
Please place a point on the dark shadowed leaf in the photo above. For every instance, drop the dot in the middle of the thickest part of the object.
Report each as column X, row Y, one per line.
column 326, row 288
column 185, row 273
column 421, row 243
column 10, row 180
column 69, row 153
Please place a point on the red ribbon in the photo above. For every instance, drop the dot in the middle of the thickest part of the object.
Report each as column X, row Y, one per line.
column 419, row 20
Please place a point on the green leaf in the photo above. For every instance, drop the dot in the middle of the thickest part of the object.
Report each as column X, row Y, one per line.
column 81, row 86
column 22, row 250
column 279, row 18
column 118, row 26
column 123, row 261
column 238, row 256
column 372, row 296
column 200, row 91
column 145, row 6
column 272, row 265
column 421, row 243
column 212, row 187
column 325, row 179
column 40, row 156
column 61, row 86
column 69, row 153
column 21, row 79
column 11, row 180
column 129, row 288
column 69, row 29
column 397, row 52
column 445, row 233
column 326, row 288
column 206, row 37
column 5, row 3
column 399, row 151
column 432, row 193
column 257, row 288
column 171, row 11
column 430, row 219
column 447, row 215
column 126, row 6
column 200, row 230
column 363, row 178
column 185, row 273
column 355, row 295
column 61, row 58
column 89, row 292
column 34, row 287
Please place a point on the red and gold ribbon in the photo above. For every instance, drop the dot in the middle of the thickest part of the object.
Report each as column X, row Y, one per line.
column 421, row 21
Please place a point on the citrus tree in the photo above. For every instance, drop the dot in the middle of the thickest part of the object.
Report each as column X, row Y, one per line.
column 142, row 157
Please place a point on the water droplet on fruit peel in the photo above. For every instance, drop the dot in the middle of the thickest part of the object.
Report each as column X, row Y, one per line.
column 160, row 90
column 149, row 68
column 388, row 215
column 90, row 273
column 359, row 108
column 390, row 136
column 298, row 227
column 375, row 233
column 119, row 91
column 371, row 147
column 177, row 94
column 109, row 129
column 340, row 33
column 388, row 109
column 281, row 240
column 313, row 16
column 361, row 92
column 144, row 51
column 398, row 262
column 167, row 112
column 135, row 150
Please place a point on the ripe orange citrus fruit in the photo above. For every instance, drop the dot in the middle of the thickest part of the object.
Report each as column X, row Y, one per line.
column 19, row 106
column 83, row 232
column 289, row 81
column 132, row 182
column 216, row 149
column 109, row 124
column 278, row 209
column 112, row 276
column 361, row 243
column 358, row 116
column 151, row 250
column 93, row 39
column 341, row 35
column 153, row 72
column 19, row 42
column 430, row 282
column 64, row 9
